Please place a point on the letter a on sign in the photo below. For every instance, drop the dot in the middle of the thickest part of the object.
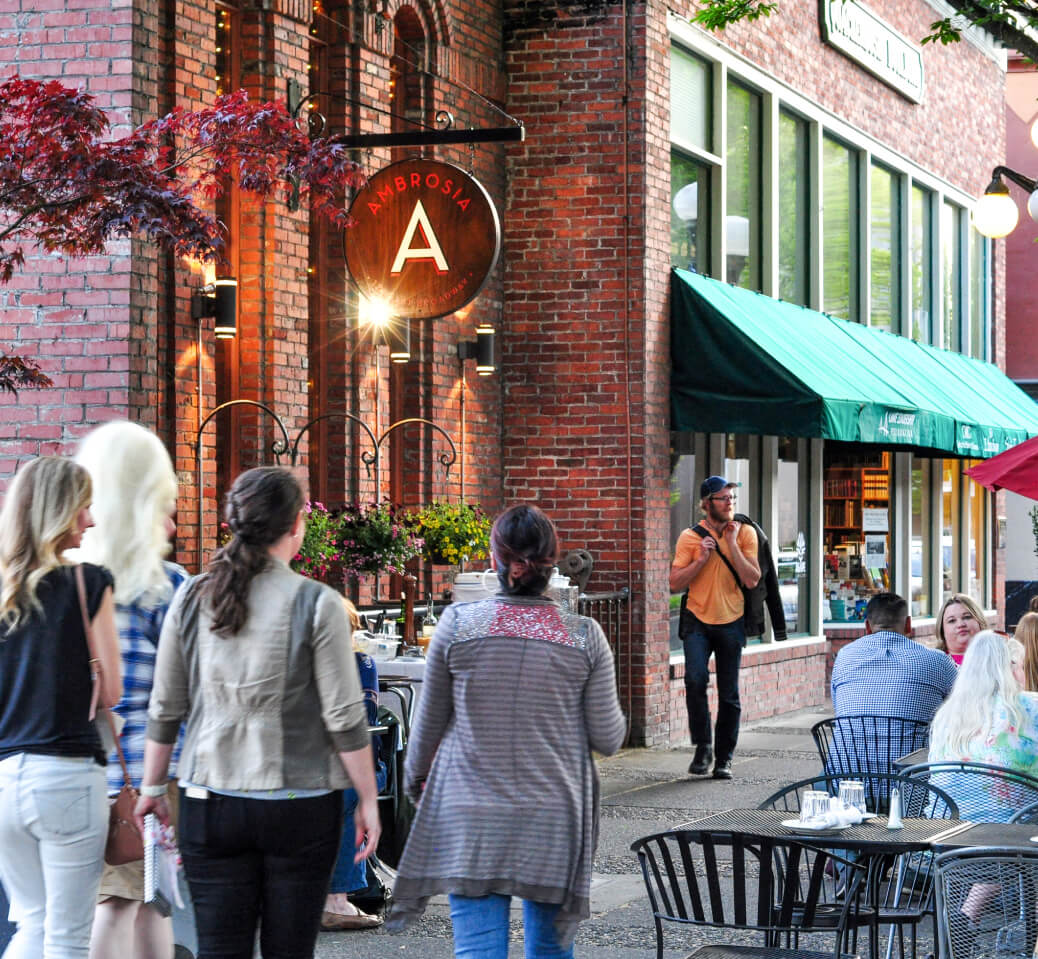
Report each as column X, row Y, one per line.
column 420, row 221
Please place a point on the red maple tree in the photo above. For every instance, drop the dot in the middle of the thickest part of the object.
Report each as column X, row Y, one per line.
column 67, row 185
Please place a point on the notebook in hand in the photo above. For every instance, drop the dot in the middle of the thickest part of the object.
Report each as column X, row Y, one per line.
column 161, row 864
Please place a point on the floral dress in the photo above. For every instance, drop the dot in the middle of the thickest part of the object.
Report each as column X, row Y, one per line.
column 986, row 799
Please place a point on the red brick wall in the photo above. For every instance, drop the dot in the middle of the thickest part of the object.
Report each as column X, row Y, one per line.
column 774, row 679
column 72, row 316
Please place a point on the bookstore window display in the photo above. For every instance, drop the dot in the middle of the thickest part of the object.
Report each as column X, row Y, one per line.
column 856, row 520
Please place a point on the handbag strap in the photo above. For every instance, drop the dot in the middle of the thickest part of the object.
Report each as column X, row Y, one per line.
column 95, row 673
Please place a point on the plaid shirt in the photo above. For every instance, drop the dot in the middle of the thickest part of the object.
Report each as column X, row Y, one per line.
column 887, row 674
column 139, row 629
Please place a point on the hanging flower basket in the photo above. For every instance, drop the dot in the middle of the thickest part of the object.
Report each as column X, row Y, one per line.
column 374, row 538
column 451, row 533
column 319, row 551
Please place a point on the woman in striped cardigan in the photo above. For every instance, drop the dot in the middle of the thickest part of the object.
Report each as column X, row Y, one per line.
column 517, row 694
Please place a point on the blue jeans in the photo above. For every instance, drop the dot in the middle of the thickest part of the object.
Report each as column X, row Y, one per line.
column 726, row 642
column 349, row 876
column 53, row 825
column 481, row 928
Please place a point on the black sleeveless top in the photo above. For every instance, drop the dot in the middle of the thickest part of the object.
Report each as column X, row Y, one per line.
column 45, row 681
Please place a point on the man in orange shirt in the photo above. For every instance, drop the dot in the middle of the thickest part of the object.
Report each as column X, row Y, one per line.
column 713, row 561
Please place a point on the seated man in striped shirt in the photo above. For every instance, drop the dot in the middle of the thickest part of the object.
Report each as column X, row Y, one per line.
column 884, row 673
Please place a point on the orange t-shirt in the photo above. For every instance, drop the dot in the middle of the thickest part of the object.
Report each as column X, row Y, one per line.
column 714, row 596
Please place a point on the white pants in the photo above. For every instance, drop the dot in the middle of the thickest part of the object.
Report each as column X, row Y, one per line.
column 53, row 824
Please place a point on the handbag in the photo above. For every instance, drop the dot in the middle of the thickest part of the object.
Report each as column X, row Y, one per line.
column 125, row 843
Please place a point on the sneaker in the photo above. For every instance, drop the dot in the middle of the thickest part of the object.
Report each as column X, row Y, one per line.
column 702, row 759
column 723, row 769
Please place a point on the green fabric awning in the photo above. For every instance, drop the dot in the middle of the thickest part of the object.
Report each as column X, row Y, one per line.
column 745, row 363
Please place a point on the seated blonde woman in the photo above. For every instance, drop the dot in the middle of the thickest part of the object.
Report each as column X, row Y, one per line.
column 1027, row 635
column 988, row 718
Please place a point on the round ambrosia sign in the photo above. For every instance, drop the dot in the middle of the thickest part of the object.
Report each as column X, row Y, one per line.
column 424, row 238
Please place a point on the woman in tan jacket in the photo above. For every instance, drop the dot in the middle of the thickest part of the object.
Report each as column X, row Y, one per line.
column 253, row 660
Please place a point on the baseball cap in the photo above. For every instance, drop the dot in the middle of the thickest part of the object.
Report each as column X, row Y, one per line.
column 714, row 484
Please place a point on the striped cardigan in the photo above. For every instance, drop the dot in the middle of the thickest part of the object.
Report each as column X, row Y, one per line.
column 516, row 695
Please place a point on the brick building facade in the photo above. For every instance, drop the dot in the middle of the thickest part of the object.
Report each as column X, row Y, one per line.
column 577, row 417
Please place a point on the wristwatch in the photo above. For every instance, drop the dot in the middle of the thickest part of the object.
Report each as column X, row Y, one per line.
column 153, row 792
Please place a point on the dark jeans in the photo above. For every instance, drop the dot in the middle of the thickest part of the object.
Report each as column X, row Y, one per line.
column 259, row 862
column 725, row 642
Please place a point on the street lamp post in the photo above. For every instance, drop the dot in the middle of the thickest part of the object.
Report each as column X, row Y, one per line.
column 996, row 215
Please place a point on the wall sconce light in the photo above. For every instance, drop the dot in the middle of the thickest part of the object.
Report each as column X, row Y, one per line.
column 220, row 301
column 995, row 214
column 398, row 339
column 481, row 349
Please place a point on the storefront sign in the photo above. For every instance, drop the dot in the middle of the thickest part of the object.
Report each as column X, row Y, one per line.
column 891, row 427
column 425, row 237
column 863, row 37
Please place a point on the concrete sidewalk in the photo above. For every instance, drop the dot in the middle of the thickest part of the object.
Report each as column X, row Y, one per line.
column 643, row 791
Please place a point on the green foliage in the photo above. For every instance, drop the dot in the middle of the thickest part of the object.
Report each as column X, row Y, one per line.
column 718, row 14
column 1034, row 527
column 451, row 532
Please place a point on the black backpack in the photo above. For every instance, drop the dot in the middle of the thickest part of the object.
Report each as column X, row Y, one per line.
column 765, row 592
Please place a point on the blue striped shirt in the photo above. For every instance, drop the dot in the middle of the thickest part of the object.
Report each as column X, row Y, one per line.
column 887, row 674
column 139, row 629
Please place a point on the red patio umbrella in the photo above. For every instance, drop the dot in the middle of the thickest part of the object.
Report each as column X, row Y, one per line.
column 1016, row 469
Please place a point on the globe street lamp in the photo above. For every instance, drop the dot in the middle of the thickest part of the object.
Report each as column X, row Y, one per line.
column 995, row 214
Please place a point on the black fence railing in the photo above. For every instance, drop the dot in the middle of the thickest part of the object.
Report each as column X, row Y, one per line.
column 610, row 611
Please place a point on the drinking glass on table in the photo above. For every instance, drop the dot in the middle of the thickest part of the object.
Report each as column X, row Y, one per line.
column 814, row 805
column 852, row 794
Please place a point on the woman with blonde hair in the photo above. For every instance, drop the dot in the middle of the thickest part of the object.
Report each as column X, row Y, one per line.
column 1026, row 634
column 53, row 802
column 987, row 718
column 135, row 492
column 958, row 621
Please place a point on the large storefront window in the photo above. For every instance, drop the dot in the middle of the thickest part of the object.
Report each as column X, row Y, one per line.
column 951, row 269
column 919, row 559
column 840, row 267
column 743, row 196
column 790, row 547
column 691, row 100
column 978, row 295
column 950, row 486
column 976, row 518
column 794, row 213
column 684, row 512
column 922, row 271
column 885, row 264
column 689, row 214
column 856, row 517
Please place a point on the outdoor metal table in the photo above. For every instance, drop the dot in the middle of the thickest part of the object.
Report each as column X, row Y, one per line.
column 920, row 755
column 871, row 838
column 1005, row 835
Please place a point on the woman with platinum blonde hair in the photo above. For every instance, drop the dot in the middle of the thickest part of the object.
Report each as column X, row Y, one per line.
column 53, row 803
column 135, row 491
column 987, row 718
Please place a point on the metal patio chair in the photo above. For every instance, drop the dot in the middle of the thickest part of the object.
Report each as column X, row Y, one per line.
column 983, row 792
column 1028, row 814
column 850, row 745
column 731, row 881
column 987, row 903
